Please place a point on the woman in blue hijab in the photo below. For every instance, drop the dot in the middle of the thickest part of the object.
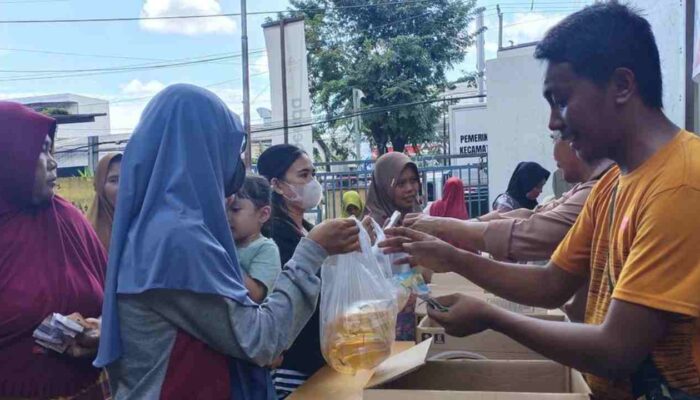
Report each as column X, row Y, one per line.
column 177, row 321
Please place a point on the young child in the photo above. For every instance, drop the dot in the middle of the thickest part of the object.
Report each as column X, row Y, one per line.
column 259, row 257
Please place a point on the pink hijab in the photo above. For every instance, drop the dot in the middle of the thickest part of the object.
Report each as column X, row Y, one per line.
column 50, row 261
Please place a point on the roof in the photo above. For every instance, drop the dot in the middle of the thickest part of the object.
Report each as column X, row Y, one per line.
column 59, row 98
column 76, row 118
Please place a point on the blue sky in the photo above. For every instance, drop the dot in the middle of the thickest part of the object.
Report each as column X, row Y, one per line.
column 23, row 47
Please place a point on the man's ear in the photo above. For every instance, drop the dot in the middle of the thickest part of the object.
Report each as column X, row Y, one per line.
column 624, row 84
column 265, row 213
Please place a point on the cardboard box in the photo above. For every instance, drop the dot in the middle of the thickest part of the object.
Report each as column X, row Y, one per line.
column 410, row 375
column 438, row 291
column 328, row 383
column 453, row 280
column 488, row 344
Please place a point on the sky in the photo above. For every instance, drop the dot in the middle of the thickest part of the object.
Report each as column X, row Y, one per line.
column 32, row 56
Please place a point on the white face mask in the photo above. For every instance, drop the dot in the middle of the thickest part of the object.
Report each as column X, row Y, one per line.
column 306, row 196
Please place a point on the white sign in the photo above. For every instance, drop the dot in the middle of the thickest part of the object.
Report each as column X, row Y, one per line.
column 298, row 99
column 468, row 134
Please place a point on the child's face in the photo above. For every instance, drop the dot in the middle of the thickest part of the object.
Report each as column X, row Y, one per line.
column 244, row 219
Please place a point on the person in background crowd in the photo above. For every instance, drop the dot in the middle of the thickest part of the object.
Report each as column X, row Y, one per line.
column 636, row 238
column 295, row 189
column 51, row 261
column 524, row 188
column 248, row 210
column 352, row 205
column 522, row 234
column 291, row 174
column 177, row 321
column 106, row 183
column 452, row 204
column 395, row 187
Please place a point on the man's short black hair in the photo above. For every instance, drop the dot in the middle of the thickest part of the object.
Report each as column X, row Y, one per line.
column 603, row 37
column 256, row 189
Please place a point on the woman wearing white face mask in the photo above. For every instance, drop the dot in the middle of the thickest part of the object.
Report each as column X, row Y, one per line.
column 291, row 174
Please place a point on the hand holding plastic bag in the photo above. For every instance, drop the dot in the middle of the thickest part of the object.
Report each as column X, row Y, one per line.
column 358, row 310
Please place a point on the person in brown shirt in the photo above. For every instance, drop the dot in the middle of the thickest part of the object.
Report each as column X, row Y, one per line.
column 522, row 234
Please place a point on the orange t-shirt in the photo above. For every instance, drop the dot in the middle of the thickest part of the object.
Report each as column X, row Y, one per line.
column 655, row 256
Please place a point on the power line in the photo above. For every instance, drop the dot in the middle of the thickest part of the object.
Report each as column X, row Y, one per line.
column 367, row 111
column 147, row 98
column 125, row 67
column 120, row 70
column 33, row 1
column 126, row 19
column 94, row 55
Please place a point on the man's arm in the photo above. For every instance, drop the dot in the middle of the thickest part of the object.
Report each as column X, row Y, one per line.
column 493, row 215
column 548, row 286
column 612, row 350
column 468, row 235
column 520, row 213
column 541, row 286
column 519, row 235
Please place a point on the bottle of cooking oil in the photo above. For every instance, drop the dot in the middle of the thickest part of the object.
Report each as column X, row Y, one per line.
column 361, row 338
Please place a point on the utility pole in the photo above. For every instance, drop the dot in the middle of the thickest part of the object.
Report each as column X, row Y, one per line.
column 284, row 82
column 500, row 27
column 93, row 152
column 357, row 95
column 246, row 83
column 480, row 66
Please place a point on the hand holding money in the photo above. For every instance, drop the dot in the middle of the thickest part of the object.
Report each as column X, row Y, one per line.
column 72, row 335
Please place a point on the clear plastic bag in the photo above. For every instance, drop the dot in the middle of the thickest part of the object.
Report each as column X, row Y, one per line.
column 386, row 262
column 406, row 280
column 358, row 310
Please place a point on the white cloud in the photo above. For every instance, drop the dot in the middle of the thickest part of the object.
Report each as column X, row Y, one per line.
column 194, row 26
column 528, row 27
column 124, row 117
column 260, row 65
column 138, row 88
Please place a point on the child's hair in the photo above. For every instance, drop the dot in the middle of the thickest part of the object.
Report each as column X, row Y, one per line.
column 256, row 189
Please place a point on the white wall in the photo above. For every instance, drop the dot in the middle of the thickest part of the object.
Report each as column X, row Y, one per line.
column 517, row 117
column 87, row 105
column 667, row 19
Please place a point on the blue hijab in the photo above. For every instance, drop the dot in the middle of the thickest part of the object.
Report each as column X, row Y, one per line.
column 170, row 229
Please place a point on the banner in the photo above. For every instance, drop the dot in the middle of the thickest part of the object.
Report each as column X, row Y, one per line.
column 298, row 99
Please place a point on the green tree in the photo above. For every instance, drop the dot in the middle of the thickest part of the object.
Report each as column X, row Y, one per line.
column 394, row 53
column 51, row 111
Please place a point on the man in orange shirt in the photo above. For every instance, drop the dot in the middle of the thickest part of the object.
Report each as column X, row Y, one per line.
column 637, row 238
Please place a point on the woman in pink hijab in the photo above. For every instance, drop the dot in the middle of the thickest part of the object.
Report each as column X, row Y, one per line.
column 51, row 261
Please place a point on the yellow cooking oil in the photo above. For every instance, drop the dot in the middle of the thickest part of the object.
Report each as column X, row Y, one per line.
column 361, row 338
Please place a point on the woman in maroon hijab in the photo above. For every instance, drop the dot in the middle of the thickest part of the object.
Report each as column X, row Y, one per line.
column 50, row 261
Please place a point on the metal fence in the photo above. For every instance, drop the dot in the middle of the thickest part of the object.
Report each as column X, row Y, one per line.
column 339, row 177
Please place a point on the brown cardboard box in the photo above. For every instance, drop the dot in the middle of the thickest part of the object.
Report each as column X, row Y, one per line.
column 453, row 280
column 439, row 290
column 489, row 344
column 328, row 383
column 410, row 375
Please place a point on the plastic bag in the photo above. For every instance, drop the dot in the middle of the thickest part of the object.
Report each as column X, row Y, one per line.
column 358, row 310
column 386, row 262
column 406, row 280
